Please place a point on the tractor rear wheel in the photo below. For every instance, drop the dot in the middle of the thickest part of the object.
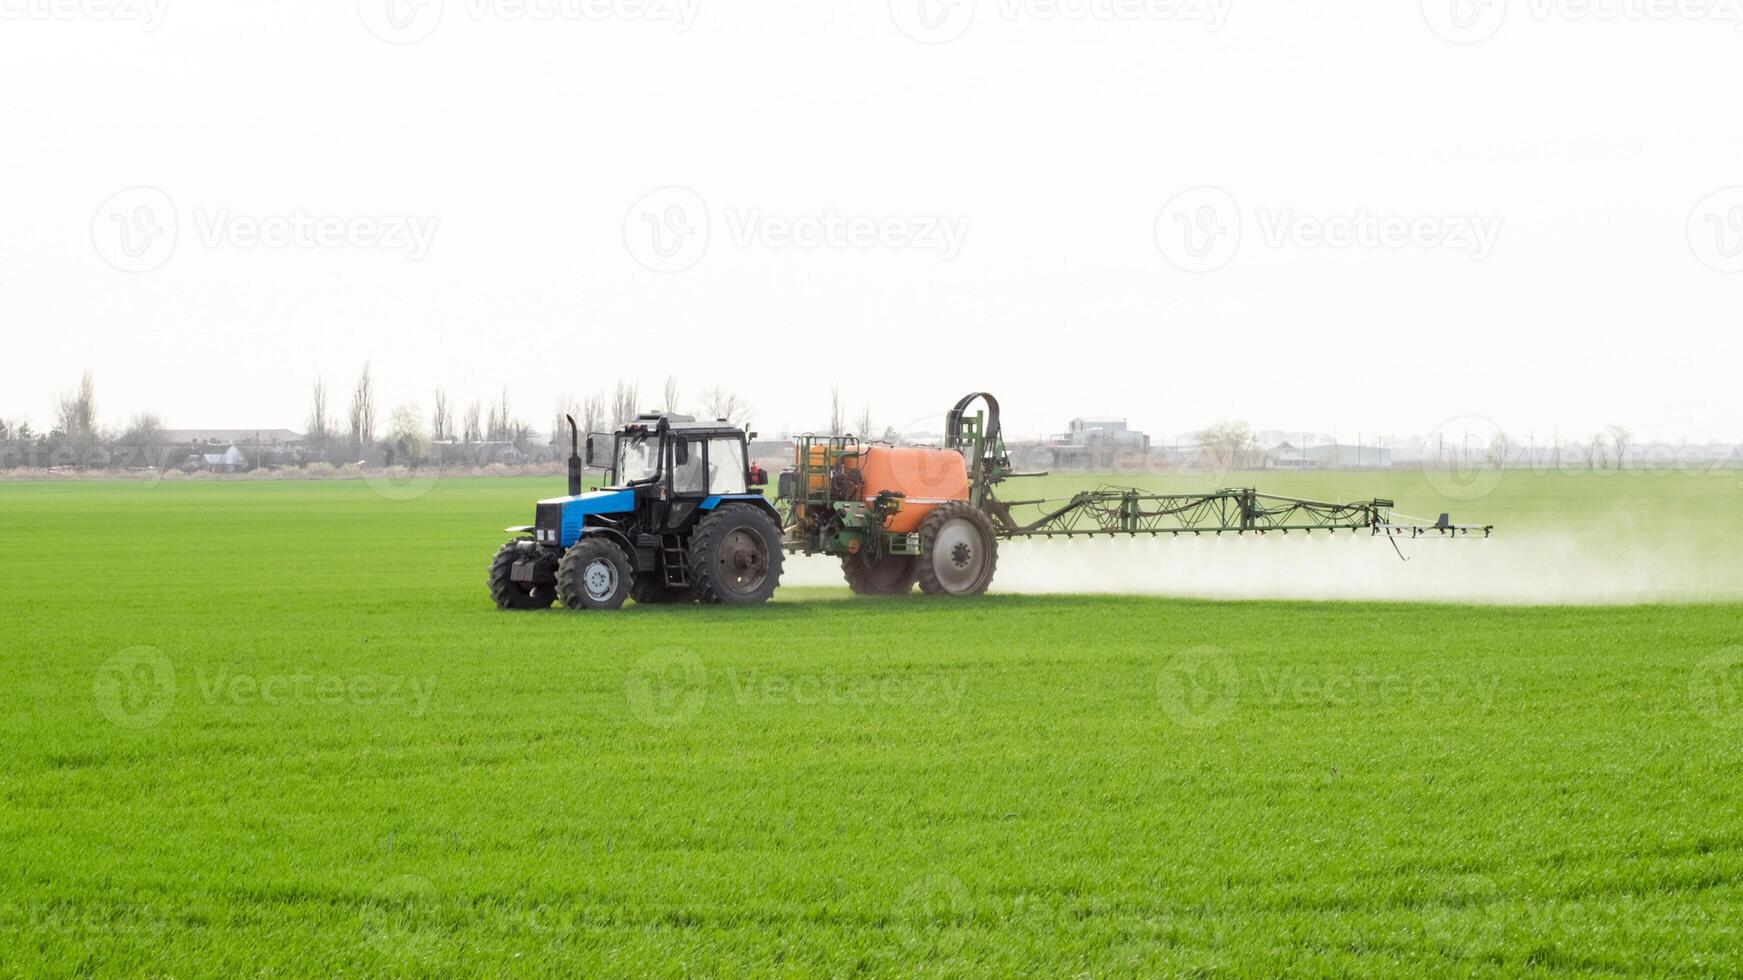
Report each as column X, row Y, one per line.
column 735, row 556
column 509, row 594
column 958, row 550
column 594, row 574
column 883, row 575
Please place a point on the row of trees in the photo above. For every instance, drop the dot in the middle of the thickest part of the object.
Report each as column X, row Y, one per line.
column 352, row 431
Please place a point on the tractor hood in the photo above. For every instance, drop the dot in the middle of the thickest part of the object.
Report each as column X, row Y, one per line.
column 595, row 502
column 560, row 519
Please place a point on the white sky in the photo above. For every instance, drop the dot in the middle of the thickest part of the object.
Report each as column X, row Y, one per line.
column 1595, row 141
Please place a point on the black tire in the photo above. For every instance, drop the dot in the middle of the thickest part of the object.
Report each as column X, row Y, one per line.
column 594, row 574
column 885, row 575
column 512, row 595
column 735, row 556
column 959, row 550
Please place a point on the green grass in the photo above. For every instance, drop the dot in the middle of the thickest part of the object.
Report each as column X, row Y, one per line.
column 277, row 728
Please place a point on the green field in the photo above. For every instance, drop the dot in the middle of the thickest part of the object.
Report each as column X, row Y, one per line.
column 278, row 728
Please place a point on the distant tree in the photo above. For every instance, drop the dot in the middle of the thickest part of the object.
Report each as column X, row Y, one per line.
column 442, row 419
column 837, row 420
column 865, row 422
column 363, row 412
column 719, row 403
column 76, row 415
column 671, row 395
column 407, row 433
column 474, row 423
column 1227, row 446
column 623, row 403
column 1620, row 439
column 592, row 413
column 566, row 407
column 144, row 438
column 320, row 424
column 1499, row 451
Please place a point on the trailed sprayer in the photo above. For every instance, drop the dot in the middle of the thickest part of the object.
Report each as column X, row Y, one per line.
column 682, row 518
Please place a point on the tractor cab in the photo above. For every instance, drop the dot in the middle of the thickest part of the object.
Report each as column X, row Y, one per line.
column 679, row 518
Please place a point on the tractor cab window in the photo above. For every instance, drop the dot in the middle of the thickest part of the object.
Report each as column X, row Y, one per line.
column 725, row 465
column 688, row 476
column 638, row 458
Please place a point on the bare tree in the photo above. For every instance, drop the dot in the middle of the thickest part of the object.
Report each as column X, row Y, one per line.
column 406, row 430
column 566, row 407
column 474, row 425
column 837, row 421
column 76, row 415
column 865, row 422
column 719, row 403
column 1620, row 439
column 320, row 423
column 442, row 419
column 592, row 413
column 671, row 395
column 623, row 403
column 144, row 438
column 1227, row 446
column 1499, row 451
column 363, row 412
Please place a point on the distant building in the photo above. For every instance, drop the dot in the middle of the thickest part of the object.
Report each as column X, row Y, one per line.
column 273, row 438
column 231, row 460
column 1096, row 442
column 1329, row 456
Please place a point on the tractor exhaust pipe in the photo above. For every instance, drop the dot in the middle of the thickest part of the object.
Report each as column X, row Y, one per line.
column 574, row 457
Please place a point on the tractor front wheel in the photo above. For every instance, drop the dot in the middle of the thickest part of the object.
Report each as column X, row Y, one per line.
column 883, row 575
column 509, row 594
column 594, row 574
column 735, row 556
column 958, row 550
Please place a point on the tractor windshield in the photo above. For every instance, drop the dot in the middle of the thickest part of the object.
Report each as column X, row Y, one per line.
column 638, row 458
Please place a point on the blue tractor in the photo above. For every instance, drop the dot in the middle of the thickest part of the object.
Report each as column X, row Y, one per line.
column 679, row 520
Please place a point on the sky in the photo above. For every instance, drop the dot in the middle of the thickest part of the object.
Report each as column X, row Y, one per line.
column 1341, row 217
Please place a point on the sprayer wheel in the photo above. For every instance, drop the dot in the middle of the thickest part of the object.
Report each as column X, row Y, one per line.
column 959, row 550
column 884, row 575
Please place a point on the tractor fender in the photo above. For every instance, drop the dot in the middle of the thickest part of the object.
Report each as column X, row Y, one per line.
column 755, row 499
column 611, row 534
